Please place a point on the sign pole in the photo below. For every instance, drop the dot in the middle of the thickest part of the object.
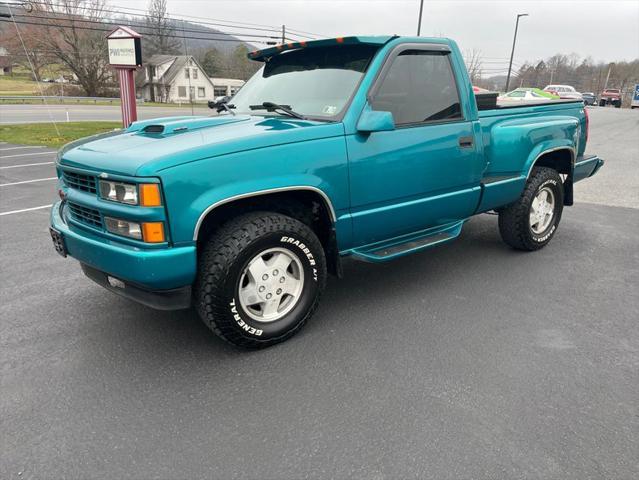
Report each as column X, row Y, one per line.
column 127, row 95
column 125, row 55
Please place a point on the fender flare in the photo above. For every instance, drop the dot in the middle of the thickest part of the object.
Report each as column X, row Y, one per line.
column 256, row 193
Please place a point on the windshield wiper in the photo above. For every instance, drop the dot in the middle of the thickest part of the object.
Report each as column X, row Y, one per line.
column 221, row 105
column 272, row 107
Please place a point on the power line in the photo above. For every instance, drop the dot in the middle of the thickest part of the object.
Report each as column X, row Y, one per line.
column 78, row 27
column 142, row 25
column 197, row 20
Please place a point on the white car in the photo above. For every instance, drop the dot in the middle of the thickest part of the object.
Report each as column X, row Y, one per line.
column 564, row 91
column 523, row 95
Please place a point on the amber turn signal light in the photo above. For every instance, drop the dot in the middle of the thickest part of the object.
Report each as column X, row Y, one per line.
column 150, row 195
column 153, row 232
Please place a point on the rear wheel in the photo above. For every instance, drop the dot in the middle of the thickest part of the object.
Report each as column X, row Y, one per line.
column 531, row 222
column 602, row 103
column 260, row 278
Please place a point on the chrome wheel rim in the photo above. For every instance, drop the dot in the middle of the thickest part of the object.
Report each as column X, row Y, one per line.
column 542, row 210
column 271, row 285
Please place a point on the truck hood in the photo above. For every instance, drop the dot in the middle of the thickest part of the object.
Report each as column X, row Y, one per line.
column 150, row 146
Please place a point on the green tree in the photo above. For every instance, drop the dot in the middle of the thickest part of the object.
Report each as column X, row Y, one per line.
column 239, row 64
column 212, row 62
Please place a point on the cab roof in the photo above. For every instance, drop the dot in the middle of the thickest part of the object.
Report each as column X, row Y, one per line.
column 266, row 53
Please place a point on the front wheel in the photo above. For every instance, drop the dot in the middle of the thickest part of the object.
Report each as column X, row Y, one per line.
column 260, row 278
column 530, row 222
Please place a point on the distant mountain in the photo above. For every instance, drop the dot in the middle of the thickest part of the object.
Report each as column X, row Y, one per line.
column 196, row 37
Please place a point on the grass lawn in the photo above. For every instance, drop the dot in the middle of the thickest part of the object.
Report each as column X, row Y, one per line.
column 45, row 134
column 19, row 86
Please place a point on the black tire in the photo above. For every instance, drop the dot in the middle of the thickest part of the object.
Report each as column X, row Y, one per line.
column 225, row 257
column 514, row 220
column 618, row 104
column 602, row 103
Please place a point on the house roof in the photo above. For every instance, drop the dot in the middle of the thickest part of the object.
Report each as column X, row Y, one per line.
column 158, row 59
column 179, row 62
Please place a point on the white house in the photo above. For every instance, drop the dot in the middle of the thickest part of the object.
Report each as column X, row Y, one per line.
column 6, row 65
column 223, row 87
column 174, row 79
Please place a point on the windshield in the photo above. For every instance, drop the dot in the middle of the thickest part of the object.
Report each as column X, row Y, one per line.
column 315, row 82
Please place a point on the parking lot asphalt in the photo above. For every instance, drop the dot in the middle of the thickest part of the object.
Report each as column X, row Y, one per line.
column 471, row 360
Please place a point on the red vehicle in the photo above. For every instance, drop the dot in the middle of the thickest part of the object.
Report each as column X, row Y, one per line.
column 610, row 96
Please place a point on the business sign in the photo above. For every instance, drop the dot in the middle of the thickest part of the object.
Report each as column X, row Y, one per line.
column 122, row 52
column 125, row 55
column 124, row 47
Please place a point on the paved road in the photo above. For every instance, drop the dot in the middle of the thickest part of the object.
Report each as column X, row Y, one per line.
column 77, row 113
column 470, row 361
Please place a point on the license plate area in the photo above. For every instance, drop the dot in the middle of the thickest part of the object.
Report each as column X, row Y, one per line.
column 58, row 242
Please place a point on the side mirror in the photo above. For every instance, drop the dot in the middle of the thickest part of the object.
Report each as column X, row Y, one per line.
column 374, row 121
column 216, row 104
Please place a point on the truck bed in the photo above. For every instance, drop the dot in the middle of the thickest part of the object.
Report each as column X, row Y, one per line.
column 489, row 101
column 502, row 105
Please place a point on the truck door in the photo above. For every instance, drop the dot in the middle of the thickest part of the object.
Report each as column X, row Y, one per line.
column 426, row 172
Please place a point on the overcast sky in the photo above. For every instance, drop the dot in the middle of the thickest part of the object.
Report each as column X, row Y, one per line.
column 604, row 30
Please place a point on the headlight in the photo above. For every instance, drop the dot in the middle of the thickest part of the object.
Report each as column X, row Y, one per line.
column 145, row 194
column 119, row 192
column 123, row 228
column 149, row 232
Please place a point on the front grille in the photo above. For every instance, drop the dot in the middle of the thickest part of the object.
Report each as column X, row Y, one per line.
column 80, row 181
column 85, row 215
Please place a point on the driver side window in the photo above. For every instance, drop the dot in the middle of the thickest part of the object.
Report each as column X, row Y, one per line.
column 419, row 87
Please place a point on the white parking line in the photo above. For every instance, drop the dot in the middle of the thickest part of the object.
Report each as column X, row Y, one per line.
column 27, row 165
column 24, row 210
column 27, row 154
column 20, row 148
column 28, row 181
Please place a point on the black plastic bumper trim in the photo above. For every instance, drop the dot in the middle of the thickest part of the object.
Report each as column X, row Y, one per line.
column 174, row 299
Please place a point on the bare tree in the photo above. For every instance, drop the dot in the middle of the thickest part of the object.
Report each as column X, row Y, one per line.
column 160, row 34
column 35, row 58
column 72, row 35
column 473, row 64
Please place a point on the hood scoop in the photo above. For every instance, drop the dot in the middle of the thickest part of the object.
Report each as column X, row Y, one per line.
column 170, row 125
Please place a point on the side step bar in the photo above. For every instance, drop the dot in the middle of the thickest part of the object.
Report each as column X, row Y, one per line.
column 408, row 244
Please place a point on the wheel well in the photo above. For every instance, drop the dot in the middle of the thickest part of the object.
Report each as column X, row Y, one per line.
column 561, row 161
column 307, row 206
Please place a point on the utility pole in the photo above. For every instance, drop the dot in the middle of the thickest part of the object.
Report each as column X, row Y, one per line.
column 512, row 53
column 283, row 34
column 419, row 23
column 608, row 76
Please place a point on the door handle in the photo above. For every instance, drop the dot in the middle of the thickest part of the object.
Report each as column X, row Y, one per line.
column 466, row 142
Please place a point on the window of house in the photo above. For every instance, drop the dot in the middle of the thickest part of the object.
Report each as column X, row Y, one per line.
column 186, row 73
column 219, row 91
column 191, row 92
column 195, row 73
column 201, row 92
column 182, row 92
column 419, row 87
column 151, row 71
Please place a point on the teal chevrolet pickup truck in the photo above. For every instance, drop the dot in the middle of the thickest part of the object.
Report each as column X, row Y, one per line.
column 368, row 147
